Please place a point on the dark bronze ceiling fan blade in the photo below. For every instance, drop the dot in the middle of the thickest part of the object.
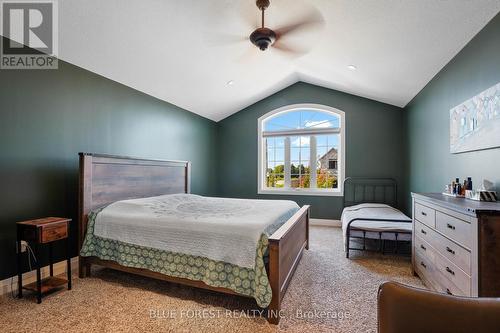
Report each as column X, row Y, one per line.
column 290, row 51
column 313, row 19
column 248, row 56
column 231, row 39
column 225, row 39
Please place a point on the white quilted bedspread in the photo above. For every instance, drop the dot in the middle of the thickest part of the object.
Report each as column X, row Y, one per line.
column 217, row 228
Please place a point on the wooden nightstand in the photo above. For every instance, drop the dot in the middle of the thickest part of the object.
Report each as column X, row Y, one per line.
column 38, row 233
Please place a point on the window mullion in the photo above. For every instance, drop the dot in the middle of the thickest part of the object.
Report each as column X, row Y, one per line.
column 312, row 161
column 288, row 176
column 265, row 166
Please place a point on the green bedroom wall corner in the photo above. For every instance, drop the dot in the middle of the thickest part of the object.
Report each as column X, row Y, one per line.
column 48, row 116
column 374, row 133
column 430, row 164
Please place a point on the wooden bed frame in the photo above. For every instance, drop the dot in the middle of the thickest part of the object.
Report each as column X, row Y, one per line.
column 107, row 178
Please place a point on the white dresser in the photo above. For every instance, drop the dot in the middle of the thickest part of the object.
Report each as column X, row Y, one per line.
column 456, row 244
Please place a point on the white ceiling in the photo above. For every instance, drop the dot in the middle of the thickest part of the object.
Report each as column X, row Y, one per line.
column 172, row 49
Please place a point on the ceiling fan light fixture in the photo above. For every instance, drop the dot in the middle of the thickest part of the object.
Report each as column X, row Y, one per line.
column 263, row 38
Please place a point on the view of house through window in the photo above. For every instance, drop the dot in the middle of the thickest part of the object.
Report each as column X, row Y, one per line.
column 301, row 150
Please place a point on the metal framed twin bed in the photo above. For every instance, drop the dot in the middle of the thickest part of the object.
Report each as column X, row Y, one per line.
column 365, row 190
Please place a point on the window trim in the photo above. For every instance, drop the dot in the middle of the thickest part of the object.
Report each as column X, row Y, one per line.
column 262, row 189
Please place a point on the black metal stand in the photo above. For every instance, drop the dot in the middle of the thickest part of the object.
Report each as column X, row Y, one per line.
column 19, row 266
column 68, row 261
column 381, row 246
column 38, row 274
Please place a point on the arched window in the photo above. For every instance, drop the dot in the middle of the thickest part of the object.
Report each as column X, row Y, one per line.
column 302, row 150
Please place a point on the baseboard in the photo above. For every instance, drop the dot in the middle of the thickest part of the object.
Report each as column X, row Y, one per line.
column 325, row 223
column 29, row 277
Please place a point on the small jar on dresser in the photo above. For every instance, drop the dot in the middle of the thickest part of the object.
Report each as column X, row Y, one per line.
column 456, row 244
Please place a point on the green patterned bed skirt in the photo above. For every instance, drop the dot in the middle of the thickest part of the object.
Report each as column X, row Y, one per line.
column 245, row 281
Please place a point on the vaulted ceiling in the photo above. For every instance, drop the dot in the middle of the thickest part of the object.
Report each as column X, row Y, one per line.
column 186, row 51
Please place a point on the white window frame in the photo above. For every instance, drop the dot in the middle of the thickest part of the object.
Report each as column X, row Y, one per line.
column 341, row 160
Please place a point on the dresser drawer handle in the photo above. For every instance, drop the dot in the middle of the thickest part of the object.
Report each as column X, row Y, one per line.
column 423, row 213
column 448, row 269
column 423, row 265
column 423, row 231
column 450, row 250
column 423, row 247
column 448, row 291
column 452, row 227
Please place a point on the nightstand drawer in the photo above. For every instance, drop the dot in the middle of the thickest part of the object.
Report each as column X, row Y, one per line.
column 53, row 232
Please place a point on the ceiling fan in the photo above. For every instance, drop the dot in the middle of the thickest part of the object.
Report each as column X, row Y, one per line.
column 264, row 37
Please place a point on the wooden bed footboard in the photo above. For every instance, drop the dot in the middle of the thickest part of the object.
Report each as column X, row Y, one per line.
column 286, row 246
column 106, row 178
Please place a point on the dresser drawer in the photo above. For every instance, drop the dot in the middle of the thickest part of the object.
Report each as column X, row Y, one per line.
column 447, row 248
column 424, row 232
column 453, row 252
column 426, row 265
column 424, row 248
column 440, row 273
column 425, row 215
column 446, row 286
column 456, row 229
column 454, row 274
column 425, row 268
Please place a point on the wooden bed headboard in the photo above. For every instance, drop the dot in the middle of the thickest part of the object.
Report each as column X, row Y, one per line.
column 106, row 178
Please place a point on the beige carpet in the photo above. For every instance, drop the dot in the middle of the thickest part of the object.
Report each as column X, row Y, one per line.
column 328, row 293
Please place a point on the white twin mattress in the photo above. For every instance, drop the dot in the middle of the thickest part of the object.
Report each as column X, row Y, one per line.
column 217, row 228
column 372, row 228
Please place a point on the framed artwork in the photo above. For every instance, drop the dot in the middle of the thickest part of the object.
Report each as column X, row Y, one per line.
column 475, row 124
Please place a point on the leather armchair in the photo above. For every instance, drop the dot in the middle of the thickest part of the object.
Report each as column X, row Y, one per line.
column 404, row 309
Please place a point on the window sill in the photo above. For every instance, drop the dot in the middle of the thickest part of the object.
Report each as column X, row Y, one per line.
column 320, row 193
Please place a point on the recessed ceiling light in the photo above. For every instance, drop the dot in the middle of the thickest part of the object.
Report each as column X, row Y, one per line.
column 352, row 67
column 230, row 82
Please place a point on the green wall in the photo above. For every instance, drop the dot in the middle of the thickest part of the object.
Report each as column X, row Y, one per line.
column 374, row 144
column 48, row 116
column 430, row 164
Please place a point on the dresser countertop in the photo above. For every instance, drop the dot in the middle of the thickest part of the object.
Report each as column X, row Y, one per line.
column 466, row 206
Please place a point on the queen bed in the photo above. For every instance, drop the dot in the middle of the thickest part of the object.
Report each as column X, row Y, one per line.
column 370, row 212
column 137, row 215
